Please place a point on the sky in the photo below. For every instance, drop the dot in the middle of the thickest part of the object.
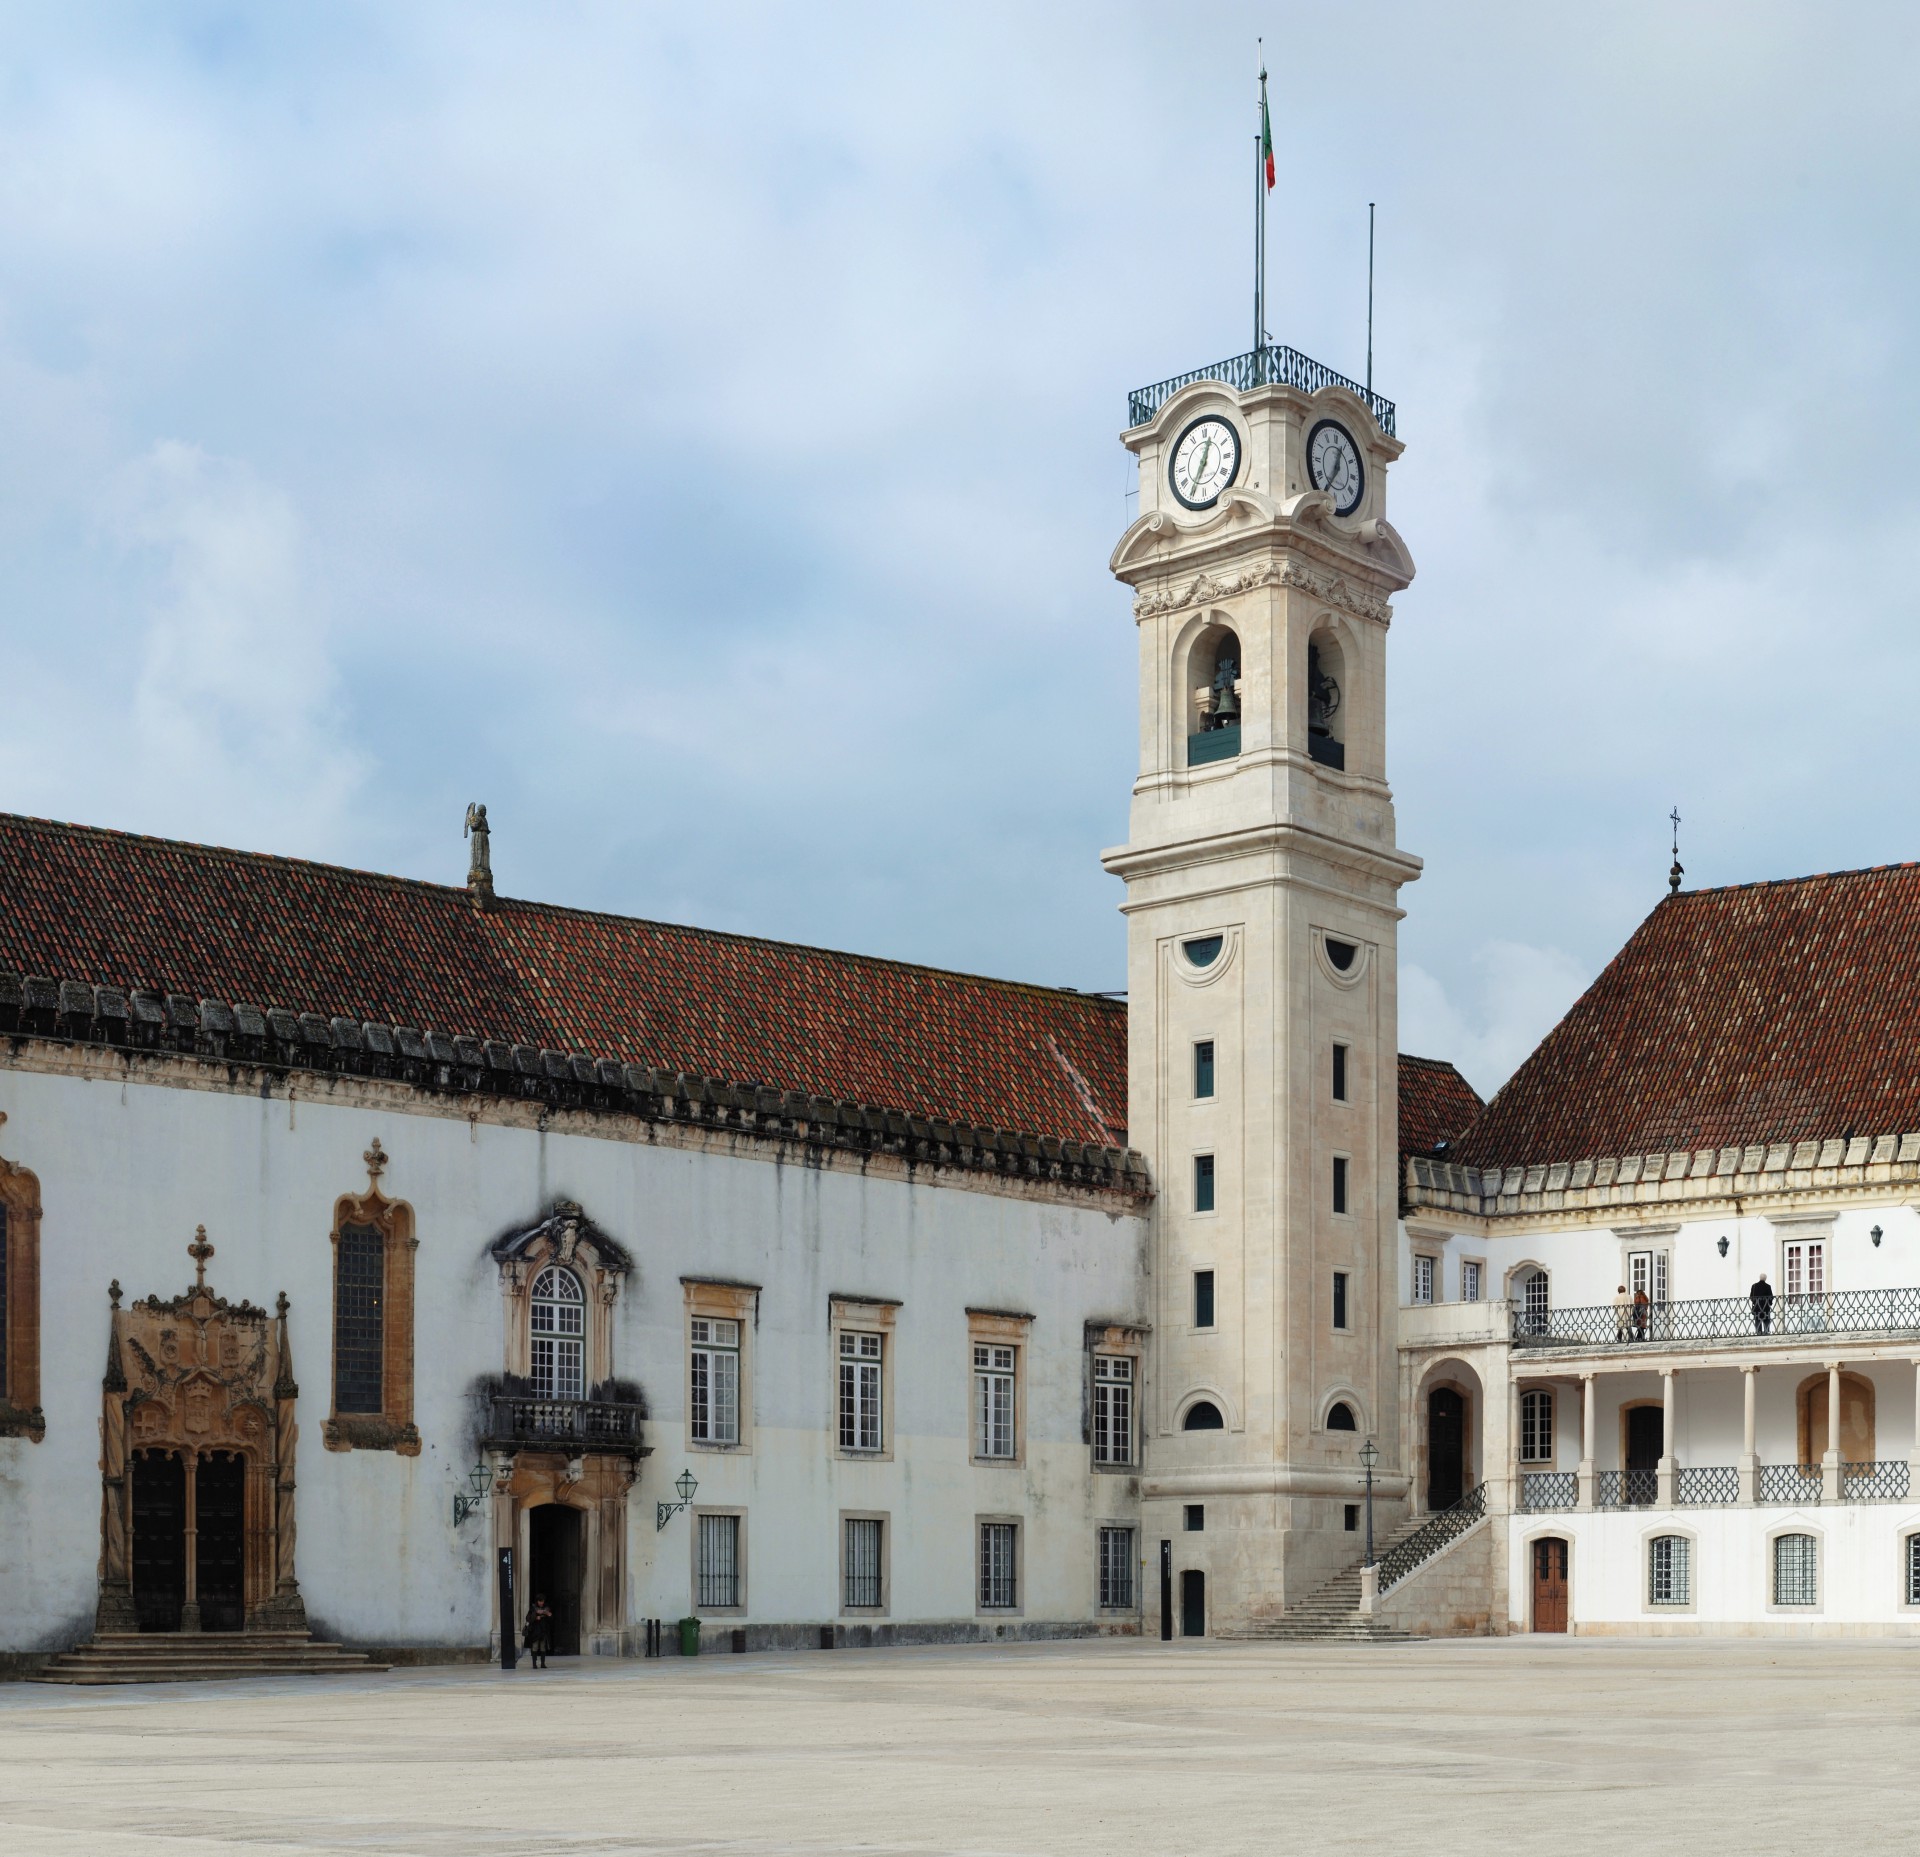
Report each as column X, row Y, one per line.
column 693, row 432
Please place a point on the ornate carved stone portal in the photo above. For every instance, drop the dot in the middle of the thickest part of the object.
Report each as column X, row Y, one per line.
column 198, row 1434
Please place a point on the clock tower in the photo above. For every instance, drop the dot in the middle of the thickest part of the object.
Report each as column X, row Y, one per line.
column 1262, row 882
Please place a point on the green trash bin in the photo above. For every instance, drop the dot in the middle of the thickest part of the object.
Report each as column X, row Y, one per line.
column 689, row 1637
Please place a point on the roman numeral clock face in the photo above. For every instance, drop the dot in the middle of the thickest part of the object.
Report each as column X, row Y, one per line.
column 1333, row 463
column 1206, row 459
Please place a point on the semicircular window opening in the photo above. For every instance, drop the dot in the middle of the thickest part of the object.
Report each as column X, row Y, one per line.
column 1340, row 1418
column 1203, row 1415
column 1203, row 950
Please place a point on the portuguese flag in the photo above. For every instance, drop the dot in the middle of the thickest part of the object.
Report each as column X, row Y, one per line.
column 1266, row 130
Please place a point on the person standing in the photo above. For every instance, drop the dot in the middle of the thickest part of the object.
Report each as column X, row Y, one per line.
column 1622, row 1315
column 1761, row 1296
column 538, row 1636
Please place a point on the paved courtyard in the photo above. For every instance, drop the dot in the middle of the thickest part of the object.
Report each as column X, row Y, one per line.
column 1495, row 1747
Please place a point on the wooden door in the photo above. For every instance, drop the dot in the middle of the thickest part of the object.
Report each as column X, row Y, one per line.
column 220, row 1535
column 159, row 1539
column 1550, row 1584
column 1446, row 1448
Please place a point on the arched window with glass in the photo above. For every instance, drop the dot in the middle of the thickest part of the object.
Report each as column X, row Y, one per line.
column 559, row 1323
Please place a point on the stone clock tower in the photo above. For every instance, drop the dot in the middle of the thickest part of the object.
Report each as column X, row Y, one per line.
column 1262, row 883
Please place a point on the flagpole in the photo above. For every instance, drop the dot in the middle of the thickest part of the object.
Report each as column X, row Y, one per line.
column 1260, row 225
column 1369, row 296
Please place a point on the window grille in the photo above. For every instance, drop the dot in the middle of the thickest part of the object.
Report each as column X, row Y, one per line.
column 1795, row 1570
column 1112, row 1409
column 1470, row 1282
column 1913, row 1570
column 1116, row 1569
column 1340, row 1183
column 714, row 1396
column 863, row 1563
column 718, row 1577
column 1536, row 1427
column 559, row 1325
column 996, row 1566
column 1669, row 1571
column 993, row 1400
column 1423, row 1279
column 359, row 1286
column 861, row 1358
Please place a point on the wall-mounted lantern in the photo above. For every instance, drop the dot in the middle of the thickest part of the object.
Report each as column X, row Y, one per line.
column 479, row 1480
column 1876, row 1235
column 1723, row 1244
column 665, row 1512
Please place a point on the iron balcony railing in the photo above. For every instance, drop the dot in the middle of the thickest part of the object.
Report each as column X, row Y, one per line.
column 1884, row 1480
column 1794, row 1483
column 1549, row 1489
column 1698, row 1484
column 566, row 1424
column 1625, row 1489
column 1272, row 366
column 1720, row 1318
column 1430, row 1537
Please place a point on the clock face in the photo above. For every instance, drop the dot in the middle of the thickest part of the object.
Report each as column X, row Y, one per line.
column 1333, row 463
column 1206, row 459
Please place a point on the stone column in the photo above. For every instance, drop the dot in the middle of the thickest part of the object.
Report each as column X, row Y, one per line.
column 1830, row 1463
column 1749, row 1463
column 1664, row 1478
column 1586, row 1440
column 115, row 1609
column 190, row 1611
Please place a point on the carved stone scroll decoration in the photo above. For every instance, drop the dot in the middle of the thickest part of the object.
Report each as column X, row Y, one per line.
column 1205, row 588
column 191, row 1375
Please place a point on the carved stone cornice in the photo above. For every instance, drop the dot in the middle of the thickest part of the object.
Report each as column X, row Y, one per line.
column 1323, row 584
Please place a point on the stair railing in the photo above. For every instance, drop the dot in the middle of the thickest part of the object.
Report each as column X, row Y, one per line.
column 1430, row 1537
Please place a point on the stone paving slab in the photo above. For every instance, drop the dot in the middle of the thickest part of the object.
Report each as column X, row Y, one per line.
column 1490, row 1747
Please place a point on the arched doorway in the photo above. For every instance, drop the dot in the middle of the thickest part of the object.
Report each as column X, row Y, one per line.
column 1856, row 1419
column 1446, row 1447
column 1548, row 1556
column 556, row 1563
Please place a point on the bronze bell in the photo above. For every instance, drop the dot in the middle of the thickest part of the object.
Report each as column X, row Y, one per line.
column 1226, row 706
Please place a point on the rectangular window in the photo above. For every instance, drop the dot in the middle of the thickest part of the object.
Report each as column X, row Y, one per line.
column 1203, row 1299
column 1339, row 1183
column 1913, row 1570
column 1112, row 1409
column 863, row 1586
column 1203, row 1068
column 1423, row 1279
column 861, row 1359
column 1795, row 1571
column 1339, row 1073
column 1195, row 1518
column 992, row 1401
column 713, row 1403
column 358, row 1324
column 997, row 1590
column 718, row 1573
column 1647, row 1275
column 1203, row 1183
column 1806, row 1272
column 1116, row 1569
column 1470, row 1282
column 1339, row 1299
column 1350, row 1518
column 1536, row 1427
column 1669, row 1573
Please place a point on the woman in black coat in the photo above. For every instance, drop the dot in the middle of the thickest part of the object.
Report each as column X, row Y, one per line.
column 538, row 1636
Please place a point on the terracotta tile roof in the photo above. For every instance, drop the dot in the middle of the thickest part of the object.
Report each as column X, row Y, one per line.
column 1436, row 1103
column 111, row 909
column 1767, row 1012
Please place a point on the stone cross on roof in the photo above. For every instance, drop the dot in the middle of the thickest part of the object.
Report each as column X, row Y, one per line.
column 200, row 1250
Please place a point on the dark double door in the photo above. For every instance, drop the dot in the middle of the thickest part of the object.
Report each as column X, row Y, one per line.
column 1446, row 1448
column 161, row 1539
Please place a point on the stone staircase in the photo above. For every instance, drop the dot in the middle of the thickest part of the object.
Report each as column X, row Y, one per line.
column 201, row 1657
column 1332, row 1613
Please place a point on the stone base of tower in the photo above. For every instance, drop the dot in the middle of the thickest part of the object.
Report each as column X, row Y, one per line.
column 1252, row 1556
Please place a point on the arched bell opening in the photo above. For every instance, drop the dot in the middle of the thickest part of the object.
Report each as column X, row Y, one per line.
column 1214, row 684
column 1326, row 720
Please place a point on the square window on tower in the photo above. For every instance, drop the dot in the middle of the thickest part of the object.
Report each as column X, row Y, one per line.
column 1203, row 1068
column 1339, row 1073
column 1339, row 1183
column 1203, row 1299
column 1203, row 1183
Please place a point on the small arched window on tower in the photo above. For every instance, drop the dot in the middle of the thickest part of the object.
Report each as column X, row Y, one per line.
column 1326, row 728
column 1213, row 730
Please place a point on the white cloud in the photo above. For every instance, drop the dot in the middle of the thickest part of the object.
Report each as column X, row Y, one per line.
column 1512, row 996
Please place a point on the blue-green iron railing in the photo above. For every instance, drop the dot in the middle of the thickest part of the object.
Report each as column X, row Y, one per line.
column 1625, row 1489
column 1721, row 1318
column 1430, row 1537
column 1796, row 1483
column 1272, row 366
column 1882, row 1481
column 1549, row 1489
column 1695, row 1484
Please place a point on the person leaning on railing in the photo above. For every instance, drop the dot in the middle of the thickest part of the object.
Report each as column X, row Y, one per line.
column 1761, row 1297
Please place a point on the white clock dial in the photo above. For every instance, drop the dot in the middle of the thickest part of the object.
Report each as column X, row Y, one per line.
column 1206, row 459
column 1333, row 463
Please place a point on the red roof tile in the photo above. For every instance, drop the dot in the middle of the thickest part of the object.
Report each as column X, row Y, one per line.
column 1767, row 1012
column 1436, row 1103
column 79, row 903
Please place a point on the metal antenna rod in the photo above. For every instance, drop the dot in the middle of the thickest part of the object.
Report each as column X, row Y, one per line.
column 1369, row 296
